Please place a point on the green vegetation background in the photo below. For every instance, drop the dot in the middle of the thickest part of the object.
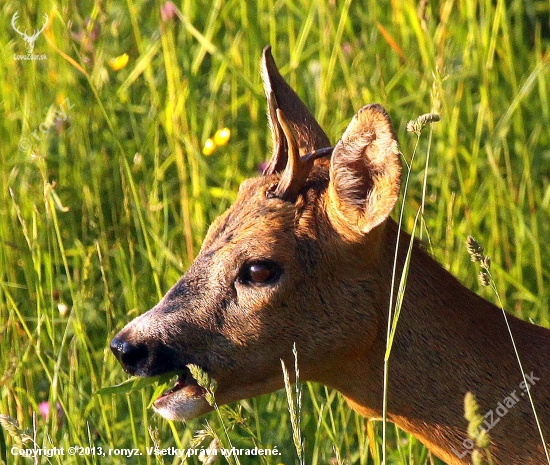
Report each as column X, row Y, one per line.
column 101, row 210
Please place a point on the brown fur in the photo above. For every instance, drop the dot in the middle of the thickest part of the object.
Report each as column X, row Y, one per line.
column 333, row 242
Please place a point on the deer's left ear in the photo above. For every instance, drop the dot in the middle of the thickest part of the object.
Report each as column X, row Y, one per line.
column 365, row 172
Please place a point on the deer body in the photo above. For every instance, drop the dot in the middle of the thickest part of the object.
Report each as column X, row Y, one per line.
column 305, row 257
column 451, row 341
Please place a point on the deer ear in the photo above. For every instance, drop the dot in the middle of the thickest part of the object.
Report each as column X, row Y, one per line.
column 308, row 134
column 365, row 172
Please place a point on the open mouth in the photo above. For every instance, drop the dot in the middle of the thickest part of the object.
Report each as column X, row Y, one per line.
column 186, row 399
column 186, row 385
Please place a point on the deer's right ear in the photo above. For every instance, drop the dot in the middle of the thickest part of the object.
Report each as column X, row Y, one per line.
column 308, row 134
column 365, row 173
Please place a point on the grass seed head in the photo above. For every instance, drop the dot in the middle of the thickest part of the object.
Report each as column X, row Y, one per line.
column 421, row 122
column 474, row 249
column 12, row 427
column 204, row 380
column 478, row 458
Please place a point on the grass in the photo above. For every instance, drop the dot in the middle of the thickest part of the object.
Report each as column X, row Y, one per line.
column 103, row 209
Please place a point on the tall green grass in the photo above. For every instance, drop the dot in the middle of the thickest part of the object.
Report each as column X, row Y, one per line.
column 100, row 214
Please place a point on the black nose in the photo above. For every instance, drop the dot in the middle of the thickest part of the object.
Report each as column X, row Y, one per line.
column 132, row 357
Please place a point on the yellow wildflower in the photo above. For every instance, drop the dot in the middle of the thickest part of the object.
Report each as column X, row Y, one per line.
column 119, row 62
column 60, row 98
column 222, row 136
column 209, row 147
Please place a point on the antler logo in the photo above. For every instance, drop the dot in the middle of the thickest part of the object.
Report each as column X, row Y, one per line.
column 29, row 39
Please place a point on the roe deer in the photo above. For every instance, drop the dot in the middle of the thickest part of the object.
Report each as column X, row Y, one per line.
column 305, row 256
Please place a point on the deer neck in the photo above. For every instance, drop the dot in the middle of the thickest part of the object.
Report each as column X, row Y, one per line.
column 449, row 341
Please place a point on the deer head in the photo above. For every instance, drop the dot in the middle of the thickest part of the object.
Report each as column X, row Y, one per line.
column 29, row 40
column 293, row 261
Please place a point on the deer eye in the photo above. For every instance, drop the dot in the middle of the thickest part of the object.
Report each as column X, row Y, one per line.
column 259, row 273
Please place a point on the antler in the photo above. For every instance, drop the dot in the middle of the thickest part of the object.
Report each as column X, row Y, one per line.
column 37, row 33
column 297, row 167
column 298, row 140
column 308, row 134
column 14, row 25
